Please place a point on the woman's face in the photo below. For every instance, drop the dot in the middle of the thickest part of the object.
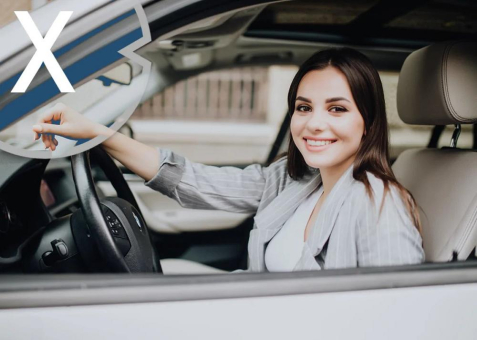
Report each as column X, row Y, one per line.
column 326, row 126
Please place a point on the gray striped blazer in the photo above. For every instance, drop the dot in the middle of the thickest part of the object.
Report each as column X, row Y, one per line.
column 347, row 231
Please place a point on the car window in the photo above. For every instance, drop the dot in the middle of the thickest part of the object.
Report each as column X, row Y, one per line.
column 229, row 116
column 314, row 12
column 439, row 16
column 332, row 16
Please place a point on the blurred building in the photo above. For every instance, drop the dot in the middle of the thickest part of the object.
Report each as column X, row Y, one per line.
column 7, row 8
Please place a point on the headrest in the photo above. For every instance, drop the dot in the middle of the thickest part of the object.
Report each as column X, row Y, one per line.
column 438, row 85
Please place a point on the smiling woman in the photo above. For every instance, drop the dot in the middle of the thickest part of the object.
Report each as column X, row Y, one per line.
column 316, row 207
column 326, row 128
column 339, row 126
column 339, row 118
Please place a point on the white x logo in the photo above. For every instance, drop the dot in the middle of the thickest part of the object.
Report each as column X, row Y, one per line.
column 43, row 52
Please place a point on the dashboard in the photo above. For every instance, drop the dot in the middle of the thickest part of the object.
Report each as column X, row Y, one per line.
column 22, row 212
column 33, row 192
column 9, row 219
column 57, row 189
column 38, row 212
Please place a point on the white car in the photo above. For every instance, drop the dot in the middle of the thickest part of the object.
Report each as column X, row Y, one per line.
column 88, row 252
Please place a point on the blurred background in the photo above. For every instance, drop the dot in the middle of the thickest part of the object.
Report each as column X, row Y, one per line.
column 230, row 116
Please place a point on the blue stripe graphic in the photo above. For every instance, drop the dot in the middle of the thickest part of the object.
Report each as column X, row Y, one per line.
column 75, row 73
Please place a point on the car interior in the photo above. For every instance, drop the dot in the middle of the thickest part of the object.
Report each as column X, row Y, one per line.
column 74, row 205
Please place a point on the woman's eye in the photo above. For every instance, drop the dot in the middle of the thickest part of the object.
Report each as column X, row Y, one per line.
column 338, row 109
column 303, row 108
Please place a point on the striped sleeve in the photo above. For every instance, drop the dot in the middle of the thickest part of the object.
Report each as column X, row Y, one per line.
column 198, row 186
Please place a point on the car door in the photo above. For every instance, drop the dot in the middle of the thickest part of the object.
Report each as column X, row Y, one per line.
column 411, row 302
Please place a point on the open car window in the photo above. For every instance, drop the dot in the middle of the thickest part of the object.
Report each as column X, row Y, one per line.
column 228, row 116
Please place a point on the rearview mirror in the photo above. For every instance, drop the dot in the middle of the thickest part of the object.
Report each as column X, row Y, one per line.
column 122, row 74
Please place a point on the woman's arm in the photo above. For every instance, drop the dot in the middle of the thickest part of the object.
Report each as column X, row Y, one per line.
column 139, row 158
column 199, row 186
column 193, row 185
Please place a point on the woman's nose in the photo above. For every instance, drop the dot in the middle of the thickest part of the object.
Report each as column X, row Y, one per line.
column 317, row 121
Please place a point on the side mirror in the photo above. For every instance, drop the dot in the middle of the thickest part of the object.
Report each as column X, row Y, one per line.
column 121, row 74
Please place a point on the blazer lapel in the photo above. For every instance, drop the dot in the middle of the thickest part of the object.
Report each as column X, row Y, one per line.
column 272, row 218
column 329, row 212
column 284, row 205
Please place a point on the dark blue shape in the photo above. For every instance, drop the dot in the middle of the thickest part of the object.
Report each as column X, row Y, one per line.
column 8, row 84
column 75, row 73
column 108, row 81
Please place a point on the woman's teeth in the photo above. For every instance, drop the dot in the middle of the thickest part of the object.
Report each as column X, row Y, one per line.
column 318, row 142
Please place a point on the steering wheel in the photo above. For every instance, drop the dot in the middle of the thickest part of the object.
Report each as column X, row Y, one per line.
column 115, row 224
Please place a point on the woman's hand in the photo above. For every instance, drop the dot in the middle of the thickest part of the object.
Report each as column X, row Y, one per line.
column 140, row 158
column 71, row 124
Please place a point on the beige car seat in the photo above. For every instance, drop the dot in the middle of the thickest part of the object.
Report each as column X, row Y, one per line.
column 437, row 86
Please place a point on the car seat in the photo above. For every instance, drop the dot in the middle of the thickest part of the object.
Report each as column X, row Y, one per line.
column 437, row 85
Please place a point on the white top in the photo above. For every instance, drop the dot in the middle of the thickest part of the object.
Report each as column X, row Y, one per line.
column 285, row 248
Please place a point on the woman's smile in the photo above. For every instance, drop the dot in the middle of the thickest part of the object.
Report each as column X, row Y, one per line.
column 318, row 144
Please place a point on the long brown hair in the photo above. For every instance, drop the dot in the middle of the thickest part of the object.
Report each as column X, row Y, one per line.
column 367, row 90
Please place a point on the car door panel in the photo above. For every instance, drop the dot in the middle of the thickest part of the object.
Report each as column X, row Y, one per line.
column 430, row 301
column 443, row 312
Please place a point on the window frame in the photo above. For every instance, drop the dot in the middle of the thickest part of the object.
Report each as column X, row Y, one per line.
column 98, row 289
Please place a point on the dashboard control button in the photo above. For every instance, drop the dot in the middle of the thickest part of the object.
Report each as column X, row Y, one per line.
column 119, row 232
column 59, row 252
